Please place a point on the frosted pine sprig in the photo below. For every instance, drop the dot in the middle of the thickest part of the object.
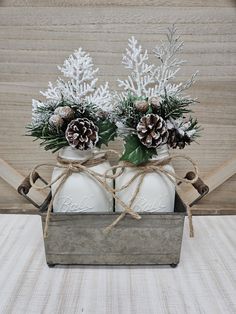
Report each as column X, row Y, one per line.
column 80, row 87
column 170, row 65
column 80, row 70
column 101, row 97
column 75, row 95
column 142, row 73
column 148, row 79
column 79, row 66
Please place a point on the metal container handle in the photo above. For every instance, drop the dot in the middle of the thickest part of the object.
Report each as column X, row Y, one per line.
column 199, row 185
column 25, row 186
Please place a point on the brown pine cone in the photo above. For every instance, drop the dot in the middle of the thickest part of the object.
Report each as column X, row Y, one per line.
column 82, row 134
column 178, row 140
column 152, row 130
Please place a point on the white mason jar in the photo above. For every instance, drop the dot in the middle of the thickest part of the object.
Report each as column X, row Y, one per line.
column 80, row 192
column 157, row 192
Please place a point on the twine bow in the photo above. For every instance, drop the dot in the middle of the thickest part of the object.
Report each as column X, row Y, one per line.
column 75, row 166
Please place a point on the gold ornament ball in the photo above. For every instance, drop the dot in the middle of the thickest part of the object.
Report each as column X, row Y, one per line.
column 65, row 112
column 56, row 121
column 141, row 105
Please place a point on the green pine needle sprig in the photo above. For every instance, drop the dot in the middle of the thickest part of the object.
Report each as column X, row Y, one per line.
column 195, row 126
column 173, row 107
column 51, row 138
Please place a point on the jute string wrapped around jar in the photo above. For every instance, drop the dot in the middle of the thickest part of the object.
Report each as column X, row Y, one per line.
column 85, row 166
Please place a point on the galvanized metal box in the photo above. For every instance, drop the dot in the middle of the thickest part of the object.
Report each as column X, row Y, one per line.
column 78, row 238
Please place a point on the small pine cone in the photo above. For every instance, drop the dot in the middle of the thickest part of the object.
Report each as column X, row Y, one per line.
column 155, row 103
column 82, row 134
column 56, row 121
column 65, row 112
column 178, row 140
column 152, row 130
column 141, row 105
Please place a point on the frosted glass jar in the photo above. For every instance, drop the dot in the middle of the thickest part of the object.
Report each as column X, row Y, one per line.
column 80, row 192
column 157, row 192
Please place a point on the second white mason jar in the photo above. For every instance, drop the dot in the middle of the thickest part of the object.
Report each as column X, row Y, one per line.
column 157, row 192
column 80, row 192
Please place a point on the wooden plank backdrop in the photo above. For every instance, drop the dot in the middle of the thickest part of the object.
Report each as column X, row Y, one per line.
column 35, row 36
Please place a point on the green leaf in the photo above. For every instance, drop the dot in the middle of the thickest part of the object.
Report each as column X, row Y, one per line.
column 107, row 132
column 135, row 152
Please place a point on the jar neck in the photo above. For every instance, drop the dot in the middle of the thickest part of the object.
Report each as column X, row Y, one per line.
column 70, row 153
column 162, row 152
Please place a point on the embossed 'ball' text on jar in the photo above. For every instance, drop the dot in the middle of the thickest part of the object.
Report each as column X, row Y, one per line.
column 81, row 192
column 157, row 191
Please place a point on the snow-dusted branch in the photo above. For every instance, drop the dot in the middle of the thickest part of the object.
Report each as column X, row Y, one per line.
column 80, row 86
column 170, row 64
column 53, row 92
column 149, row 80
column 101, row 97
column 142, row 73
column 80, row 70
column 37, row 117
column 79, row 67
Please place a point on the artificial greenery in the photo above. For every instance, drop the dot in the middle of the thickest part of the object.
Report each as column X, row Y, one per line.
column 69, row 99
column 152, row 108
column 152, row 103
column 53, row 138
column 194, row 126
column 106, row 133
column 127, row 112
column 171, row 108
column 135, row 152
column 174, row 107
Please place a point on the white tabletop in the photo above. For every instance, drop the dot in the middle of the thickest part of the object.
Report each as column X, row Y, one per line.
column 204, row 281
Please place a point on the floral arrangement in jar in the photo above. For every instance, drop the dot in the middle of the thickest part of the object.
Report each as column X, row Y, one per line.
column 152, row 114
column 74, row 120
column 75, row 113
column 153, row 110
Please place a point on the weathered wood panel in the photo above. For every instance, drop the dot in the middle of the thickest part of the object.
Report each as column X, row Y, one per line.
column 36, row 36
column 153, row 3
